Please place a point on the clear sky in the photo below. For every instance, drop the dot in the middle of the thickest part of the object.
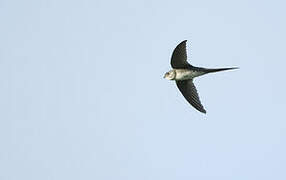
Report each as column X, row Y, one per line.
column 82, row 94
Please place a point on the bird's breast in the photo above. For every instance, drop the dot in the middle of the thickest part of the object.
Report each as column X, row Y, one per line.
column 185, row 74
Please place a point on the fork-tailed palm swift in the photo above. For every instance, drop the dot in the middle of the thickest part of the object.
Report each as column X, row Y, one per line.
column 184, row 73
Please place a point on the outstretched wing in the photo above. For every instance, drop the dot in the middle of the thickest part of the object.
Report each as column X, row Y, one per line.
column 189, row 91
column 179, row 56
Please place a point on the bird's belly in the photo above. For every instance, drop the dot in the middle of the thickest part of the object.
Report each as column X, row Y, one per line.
column 185, row 74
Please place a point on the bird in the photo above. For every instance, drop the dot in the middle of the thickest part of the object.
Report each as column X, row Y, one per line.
column 183, row 74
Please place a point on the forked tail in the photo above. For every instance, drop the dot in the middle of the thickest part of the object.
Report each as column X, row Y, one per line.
column 219, row 69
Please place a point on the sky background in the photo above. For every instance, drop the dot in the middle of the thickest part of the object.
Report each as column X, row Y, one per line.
column 82, row 94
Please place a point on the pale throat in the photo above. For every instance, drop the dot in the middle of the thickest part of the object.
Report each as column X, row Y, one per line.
column 185, row 74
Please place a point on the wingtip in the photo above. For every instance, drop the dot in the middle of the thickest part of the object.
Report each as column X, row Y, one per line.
column 184, row 41
column 202, row 110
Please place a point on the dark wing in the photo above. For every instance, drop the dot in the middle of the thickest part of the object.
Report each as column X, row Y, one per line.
column 179, row 56
column 189, row 91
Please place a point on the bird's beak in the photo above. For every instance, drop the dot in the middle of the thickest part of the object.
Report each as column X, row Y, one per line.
column 165, row 76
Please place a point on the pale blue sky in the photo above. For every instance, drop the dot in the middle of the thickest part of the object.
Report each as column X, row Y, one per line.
column 82, row 93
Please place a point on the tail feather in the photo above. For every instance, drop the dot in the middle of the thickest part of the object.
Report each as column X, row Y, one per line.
column 219, row 69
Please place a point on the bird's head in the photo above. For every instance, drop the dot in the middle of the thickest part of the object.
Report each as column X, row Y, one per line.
column 170, row 75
